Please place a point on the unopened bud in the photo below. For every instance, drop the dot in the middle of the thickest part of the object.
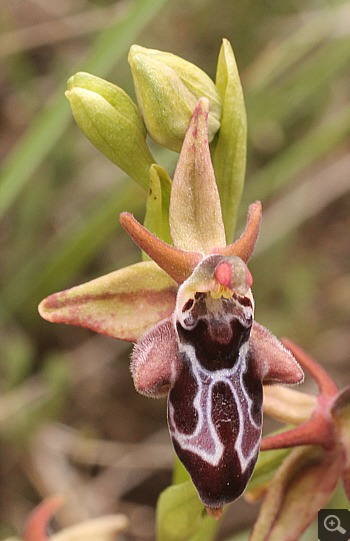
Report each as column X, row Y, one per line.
column 110, row 120
column 167, row 90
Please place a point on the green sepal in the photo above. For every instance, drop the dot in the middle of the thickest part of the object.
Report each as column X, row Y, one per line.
column 123, row 304
column 195, row 215
column 229, row 158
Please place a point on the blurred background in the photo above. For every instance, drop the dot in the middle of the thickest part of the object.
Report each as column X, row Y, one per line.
column 70, row 420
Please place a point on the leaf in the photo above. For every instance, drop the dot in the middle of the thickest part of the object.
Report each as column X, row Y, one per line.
column 179, row 513
column 231, row 148
column 157, row 206
column 195, row 213
column 180, row 474
column 123, row 304
column 207, row 531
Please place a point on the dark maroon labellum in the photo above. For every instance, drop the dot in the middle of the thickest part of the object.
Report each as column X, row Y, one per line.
column 215, row 404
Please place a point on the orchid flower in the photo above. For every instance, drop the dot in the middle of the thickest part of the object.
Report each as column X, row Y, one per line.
column 191, row 313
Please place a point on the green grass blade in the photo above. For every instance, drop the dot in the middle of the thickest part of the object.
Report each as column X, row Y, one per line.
column 302, row 154
column 275, row 62
column 300, row 89
column 57, row 263
column 63, row 257
column 49, row 126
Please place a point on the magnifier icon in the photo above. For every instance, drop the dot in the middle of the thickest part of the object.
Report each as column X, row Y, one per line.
column 332, row 524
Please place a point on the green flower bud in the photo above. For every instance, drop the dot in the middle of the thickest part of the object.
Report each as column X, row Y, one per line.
column 110, row 120
column 167, row 90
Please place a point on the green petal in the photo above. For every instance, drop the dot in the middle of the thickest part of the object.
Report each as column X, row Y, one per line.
column 230, row 152
column 123, row 304
column 195, row 213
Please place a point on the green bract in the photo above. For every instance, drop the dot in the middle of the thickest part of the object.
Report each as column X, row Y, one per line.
column 167, row 90
column 110, row 120
column 229, row 158
column 157, row 206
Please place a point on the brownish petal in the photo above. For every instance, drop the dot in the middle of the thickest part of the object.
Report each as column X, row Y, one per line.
column 274, row 362
column 155, row 359
column 244, row 246
column 176, row 263
column 123, row 304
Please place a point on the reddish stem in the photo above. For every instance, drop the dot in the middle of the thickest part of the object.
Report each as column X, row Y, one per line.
column 326, row 385
column 317, row 431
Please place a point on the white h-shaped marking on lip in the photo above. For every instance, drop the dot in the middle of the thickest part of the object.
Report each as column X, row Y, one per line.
column 204, row 394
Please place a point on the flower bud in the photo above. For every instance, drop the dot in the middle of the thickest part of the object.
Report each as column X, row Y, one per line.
column 167, row 90
column 110, row 120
